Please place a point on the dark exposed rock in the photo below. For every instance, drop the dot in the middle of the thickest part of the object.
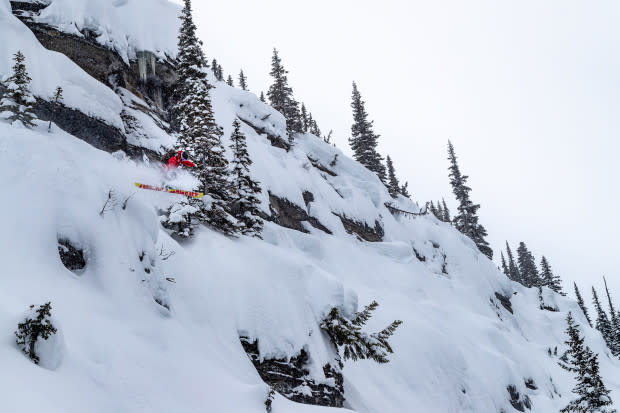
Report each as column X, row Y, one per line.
column 504, row 301
column 362, row 229
column 287, row 214
column 290, row 378
column 320, row 166
column 420, row 258
column 530, row 384
column 276, row 141
column 308, row 197
column 517, row 401
column 72, row 258
column 25, row 9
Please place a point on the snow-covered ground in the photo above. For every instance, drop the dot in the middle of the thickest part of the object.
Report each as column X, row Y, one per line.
column 118, row 350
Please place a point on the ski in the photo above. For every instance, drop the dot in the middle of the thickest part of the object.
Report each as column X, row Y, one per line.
column 190, row 194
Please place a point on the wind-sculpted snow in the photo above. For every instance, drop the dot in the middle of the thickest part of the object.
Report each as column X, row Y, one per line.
column 49, row 70
column 151, row 325
column 127, row 26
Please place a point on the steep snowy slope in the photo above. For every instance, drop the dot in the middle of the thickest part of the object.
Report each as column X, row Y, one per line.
column 145, row 331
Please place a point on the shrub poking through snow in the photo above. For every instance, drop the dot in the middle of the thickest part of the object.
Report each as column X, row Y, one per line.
column 32, row 329
column 357, row 344
column 269, row 400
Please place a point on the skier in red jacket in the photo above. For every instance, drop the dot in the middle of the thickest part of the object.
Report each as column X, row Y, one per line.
column 181, row 158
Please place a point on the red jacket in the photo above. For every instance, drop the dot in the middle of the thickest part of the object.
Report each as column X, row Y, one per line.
column 176, row 160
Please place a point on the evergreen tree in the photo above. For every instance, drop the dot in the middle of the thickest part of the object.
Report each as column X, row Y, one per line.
column 229, row 81
column 582, row 305
column 220, row 73
column 440, row 214
column 615, row 327
column 348, row 334
column 504, row 266
column 304, row 119
column 245, row 202
column 513, row 269
column 434, row 210
column 243, row 81
column 215, row 67
column 404, row 190
column 602, row 321
column 446, row 211
column 17, row 105
column 314, row 129
column 262, row 97
column 199, row 133
column 548, row 278
column 57, row 99
column 363, row 140
column 280, row 96
column 328, row 139
column 32, row 329
column 466, row 221
column 527, row 267
column 392, row 184
column 593, row 396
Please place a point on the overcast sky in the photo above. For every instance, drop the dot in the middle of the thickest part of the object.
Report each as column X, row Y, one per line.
column 528, row 92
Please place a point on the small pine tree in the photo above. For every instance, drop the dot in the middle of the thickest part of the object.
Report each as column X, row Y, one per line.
column 404, row 190
column 245, row 203
column 602, row 321
column 262, row 97
column 440, row 213
column 579, row 359
column 527, row 267
column 614, row 324
column 243, row 81
column 582, row 305
column 446, row 211
column 548, row 278
column 348, row 334
column 466, row 221
column 305, row 125
column 57, row 99
column 220, row 73
column 504, row 266
column 328, row 138
column 229, row 81
column 363, row 140
column 183, row 217
column 433, row 209
column 392, row 184
column 17, row 105
column 32, row 329
column 513, row 269
column 280, row 96
column 314, row 129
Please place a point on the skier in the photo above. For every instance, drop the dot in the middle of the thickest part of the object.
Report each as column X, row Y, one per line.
column 181, row 158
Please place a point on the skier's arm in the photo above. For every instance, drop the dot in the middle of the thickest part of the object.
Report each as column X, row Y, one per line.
column 189, row 164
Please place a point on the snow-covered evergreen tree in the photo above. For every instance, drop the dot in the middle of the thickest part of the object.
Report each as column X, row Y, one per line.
column 548, row 278
column 614, row 321
column 466, row 221
column 280, row 96
column 363, row 139
column 527, row 267
column 440, row 214
column 243, row 81
column 356, row 344
column 229, row 81
column 504, row 266
column 513, row 269
column 245, row 204
column 446, row 211
column 433, row 210
column 404, row 191
column 32, row 329
column 593, row 396
column 314, row 128
column 392, row 184
column 17, row 105
column 582, row 305
column 262, row 97
column 602, row 321
column 305, row 125
column 199, row 133
column 57, row 99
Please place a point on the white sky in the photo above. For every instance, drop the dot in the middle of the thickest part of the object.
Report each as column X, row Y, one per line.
column 527, row 91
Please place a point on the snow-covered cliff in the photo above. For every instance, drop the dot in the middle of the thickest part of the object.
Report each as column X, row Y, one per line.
column 151, row 325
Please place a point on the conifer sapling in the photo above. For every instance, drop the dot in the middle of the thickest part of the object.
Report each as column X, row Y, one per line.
column 32, row 329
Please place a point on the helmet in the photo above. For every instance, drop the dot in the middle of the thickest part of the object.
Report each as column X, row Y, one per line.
column 184, row 155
